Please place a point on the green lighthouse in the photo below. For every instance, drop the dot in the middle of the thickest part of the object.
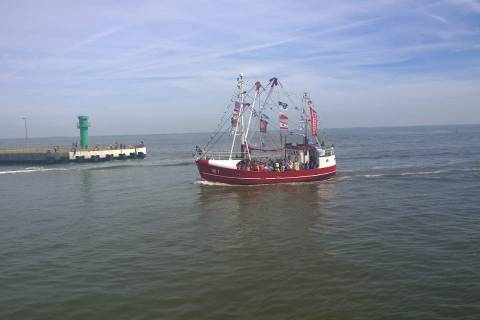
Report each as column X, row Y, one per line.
column 83, row 125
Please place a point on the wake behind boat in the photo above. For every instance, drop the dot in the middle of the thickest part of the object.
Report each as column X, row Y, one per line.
column 264, row 157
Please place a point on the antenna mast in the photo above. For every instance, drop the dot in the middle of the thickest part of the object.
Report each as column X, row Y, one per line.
column 304, row 110
column 239, row 121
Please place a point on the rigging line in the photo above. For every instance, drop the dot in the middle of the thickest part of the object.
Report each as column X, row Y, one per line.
column 262, row 107
column 257, row 136
column 248, row 94
column 288, row 96
column 243, row 110
column 214, row 140
column 216, row 136
column 219, row 128
column 223, row 120
column 218, row 139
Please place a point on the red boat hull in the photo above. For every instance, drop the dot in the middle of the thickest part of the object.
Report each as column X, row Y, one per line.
column 243, row 177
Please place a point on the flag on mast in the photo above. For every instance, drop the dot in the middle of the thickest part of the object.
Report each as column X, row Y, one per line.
column 283, row 105
column 237, row 107
column 283, row 120
column 282, row 117
column 313, row 121
column 234, row 120
column 236, row 111
column 263, row 125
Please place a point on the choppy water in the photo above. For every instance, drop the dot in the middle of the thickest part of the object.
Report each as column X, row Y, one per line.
column 395, row 235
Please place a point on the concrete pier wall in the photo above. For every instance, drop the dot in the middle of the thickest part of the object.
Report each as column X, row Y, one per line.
column 108, row 154
column 55, row 155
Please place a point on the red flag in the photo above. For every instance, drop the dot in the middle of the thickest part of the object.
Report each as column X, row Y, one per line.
column 234, row 119
column 282, row 117
column 283, row 120
column 263, row 126
column 313, row 121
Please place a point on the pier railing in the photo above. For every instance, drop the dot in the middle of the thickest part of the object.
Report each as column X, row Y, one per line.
column 35, row 150
column 64, row 149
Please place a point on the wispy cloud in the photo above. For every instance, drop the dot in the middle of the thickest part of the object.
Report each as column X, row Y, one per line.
column 93, row 38
column 470, row 4
column 167, row 54
column 436, row 17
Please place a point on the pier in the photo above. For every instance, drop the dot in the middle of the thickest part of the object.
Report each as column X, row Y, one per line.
column 57, row 155
column 84, row 153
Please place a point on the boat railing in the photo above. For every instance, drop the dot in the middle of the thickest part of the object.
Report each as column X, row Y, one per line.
column 220, row 156
column 329, row 151
column 235, row 156
column 225, row 155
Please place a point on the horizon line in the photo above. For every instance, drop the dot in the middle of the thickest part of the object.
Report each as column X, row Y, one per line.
column 204, row 132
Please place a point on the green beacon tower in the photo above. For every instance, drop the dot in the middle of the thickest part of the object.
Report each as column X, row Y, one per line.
column 83, row 125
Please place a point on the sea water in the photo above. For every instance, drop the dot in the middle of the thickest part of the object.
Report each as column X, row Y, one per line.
column 394, row 235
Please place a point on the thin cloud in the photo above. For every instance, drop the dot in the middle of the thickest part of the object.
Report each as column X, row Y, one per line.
column 160, row 56
column 94, row 38
column 470, row 4
column 436, row 17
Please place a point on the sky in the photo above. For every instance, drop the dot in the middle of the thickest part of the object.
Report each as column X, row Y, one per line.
column 139, row 67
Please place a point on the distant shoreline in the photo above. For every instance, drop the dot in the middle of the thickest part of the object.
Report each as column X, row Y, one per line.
column 207, row 132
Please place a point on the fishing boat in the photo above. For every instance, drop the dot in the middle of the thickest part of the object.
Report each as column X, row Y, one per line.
column 251, row 154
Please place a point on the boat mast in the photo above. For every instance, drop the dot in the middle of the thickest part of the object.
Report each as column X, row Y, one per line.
column 239, row 121
column 304, row 107
column 308, row 103
column 242, row 126
column 252, row 108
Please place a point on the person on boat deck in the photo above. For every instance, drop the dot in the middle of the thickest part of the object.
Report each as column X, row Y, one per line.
column 290, row 165
column 242, row 150
column 311, row 163
column 268, row 166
